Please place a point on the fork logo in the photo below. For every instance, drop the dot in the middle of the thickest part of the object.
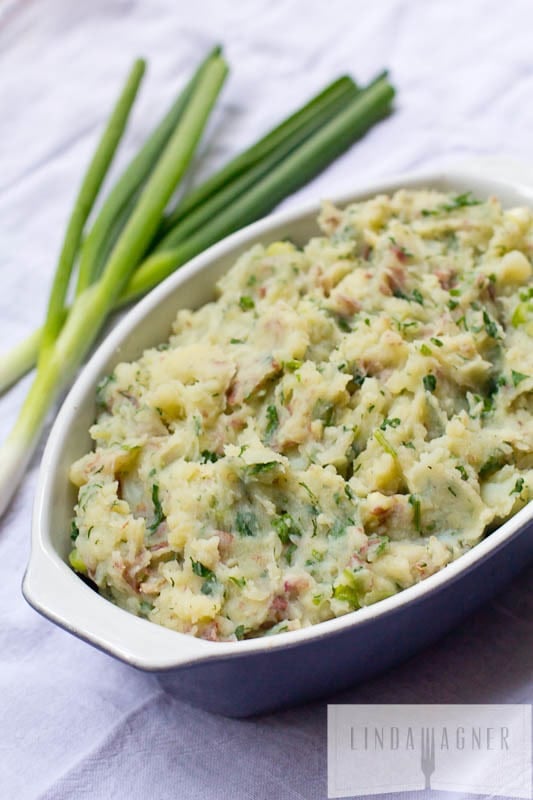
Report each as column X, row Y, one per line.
column 427, row 758
column 393, row 748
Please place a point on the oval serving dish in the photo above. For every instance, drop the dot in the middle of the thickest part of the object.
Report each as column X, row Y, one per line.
column 257, row 675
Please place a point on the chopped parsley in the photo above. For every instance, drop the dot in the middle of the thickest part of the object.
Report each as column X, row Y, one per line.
column 204, row 572
column 339, row 528
column 258, row 469
column 390, row 423
column 246, row 302
column 289, row 552
column 491, row 465
column 74, row 531
column 324, row 411
column 246, row 523
column 462, row 472
column 348, row 492
column 158, row 510
column 518, row 377
column 101, row 389
column 272, row 420
column 416, row 296
column 490, row 326
column 286, row 528
column 430, row 382
column 519, row 485
column 343, row 324
column 459, row 201
column 312, row 497
column 379, row 545
column 240, row 582
column 208, row 455
column 415, row 503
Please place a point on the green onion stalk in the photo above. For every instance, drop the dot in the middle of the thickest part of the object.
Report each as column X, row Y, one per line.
column 235, row 178
column 132, row 246
column 87, row 195
column 91, row 307
column 297, row 169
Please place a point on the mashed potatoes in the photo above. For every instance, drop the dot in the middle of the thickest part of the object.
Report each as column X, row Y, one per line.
column 345, row 420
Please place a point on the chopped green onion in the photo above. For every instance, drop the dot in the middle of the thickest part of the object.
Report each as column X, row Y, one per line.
column 518, row 377
column 380, row 438
column 430, row 383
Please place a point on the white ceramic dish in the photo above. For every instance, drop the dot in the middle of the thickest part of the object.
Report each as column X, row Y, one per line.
column 258, row 674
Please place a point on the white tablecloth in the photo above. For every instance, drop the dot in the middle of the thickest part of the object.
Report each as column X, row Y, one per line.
column 74, row 723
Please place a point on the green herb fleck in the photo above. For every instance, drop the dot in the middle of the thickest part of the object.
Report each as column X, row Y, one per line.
column 286, row 528
column 208, row 455
column 459, row 201
column 518, row 377
column 292, row 365
column 343, row 324
column 390, row 423
column 338, row 529
column 158, row 510
column 347, row 594
column 240, row 582
column 430, row 383
column 246, row 523
column 258, row 469
column 246, row 302
column 74, row 531
column 202, row 571
column 415, row 503
column 494, row 463
column 380, row 438
column 462, row 472
column 490, row 326
column 324, row 411
column 289, row 552
column 272, row 420
column 519, row 485
column 101, row 388
column 382, row 543
column 312, row 495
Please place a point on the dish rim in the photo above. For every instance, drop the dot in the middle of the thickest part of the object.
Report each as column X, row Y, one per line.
column 54, row 590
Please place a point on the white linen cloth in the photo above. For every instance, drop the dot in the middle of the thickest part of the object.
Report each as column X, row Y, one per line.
column 75, row 723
